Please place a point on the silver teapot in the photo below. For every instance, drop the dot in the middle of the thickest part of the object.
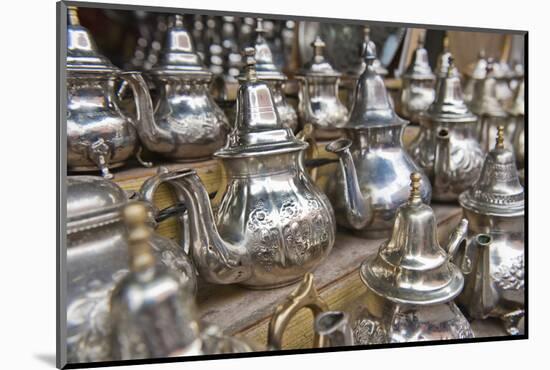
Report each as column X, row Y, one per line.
column 476, row 72
column 411, row 282
column 97, row 259
column 319, row 101
column 268, row 72
column 446, row 146
column 494, row 205
column 272, row 224
column 516, row 113
column 418, row 90
column 186, row 124
column 99, row 134
column 375, row 168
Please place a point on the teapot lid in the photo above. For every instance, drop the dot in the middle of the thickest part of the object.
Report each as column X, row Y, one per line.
column 484, row 100
column 517, row 107
column 179, row 55
column 372, row 106
column 319, row 66
column 92, row 201
column 477, row 70
column 265, row 68
column 419, row 69
column 377, row 64
column 449, row 104
column 498, row 190
column 258, row 129
column 411, row 267
column 82, row 53
column 443, row 59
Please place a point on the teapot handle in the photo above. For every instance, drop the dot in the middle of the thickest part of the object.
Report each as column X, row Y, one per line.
column 304, row 296
column 307, row 134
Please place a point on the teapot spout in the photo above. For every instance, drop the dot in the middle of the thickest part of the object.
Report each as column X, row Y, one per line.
column 359, row 212
column 334, row 326
column 442, row 160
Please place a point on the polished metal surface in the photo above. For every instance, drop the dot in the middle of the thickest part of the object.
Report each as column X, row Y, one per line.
column 418, row 90
column 186, row 123
column 97, row 259
column 516, row 112
column 475, row 72
column 446, row 146
column 335, row 327
column 319, row 101
column 374, row 171
column 272, row 224
column 494, row 205
column 411, row 282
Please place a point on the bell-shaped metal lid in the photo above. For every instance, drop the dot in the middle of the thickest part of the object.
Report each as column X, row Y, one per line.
column 449, row 105
column 411, row 267
column 319, row 66
column 82, row 53
column 265, row 68
column 419, row 69
column 179, row 55
column 92, row 201
column 258, row 129
column 478, row 69
column 484, row 100
column 517, row 108
column 498, row 190
column 443, row 59
column 372, row 106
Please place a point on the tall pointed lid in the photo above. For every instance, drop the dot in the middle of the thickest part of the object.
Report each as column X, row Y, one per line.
column 265, row 68
column 419, row 69
column 478, row 69
column 319, row 66
column 179, row 55
column 484, row 100
column 498, row 190
column 258, row 129
column 372, row 106
column 443, row 59
column 449, row 105
column 377, row 64
column 411, row 267
column 82, row 53
column 517, row 107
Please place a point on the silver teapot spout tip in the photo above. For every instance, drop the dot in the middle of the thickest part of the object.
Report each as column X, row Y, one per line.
column 338, row 146
column 334, row 326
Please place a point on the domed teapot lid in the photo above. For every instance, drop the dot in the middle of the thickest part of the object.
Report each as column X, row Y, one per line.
column 419, row 69
column 179, row 55
column 265, row 68
column 372, row 106
column 319, row 66
column 449, row 104
column 477, row 70
column 411, row 267
column 92, row 201
column 498, row 190
column 258, row 129
column 82, row 53
column 484, row 100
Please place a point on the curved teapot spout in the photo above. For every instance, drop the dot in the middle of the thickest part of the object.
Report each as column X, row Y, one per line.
column 359, row 212
column 442, row 159
column 334, row 326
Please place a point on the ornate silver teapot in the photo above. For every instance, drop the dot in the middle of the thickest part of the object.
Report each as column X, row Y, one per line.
column 97, row 258
column 494, row 205
column 516, row 113
column 186, row 123
column 99, row 134
column 375, row 168
column 319, row 101
column 272, row 224
column 491, row 113
column 418, row 90
column 446, row 146
column 476, row 72
column 268, row 72
column 411, row 282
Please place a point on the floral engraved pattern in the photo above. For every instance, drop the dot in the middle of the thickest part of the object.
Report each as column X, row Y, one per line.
column 266, row 243
column 510, row 276
column 368, row 331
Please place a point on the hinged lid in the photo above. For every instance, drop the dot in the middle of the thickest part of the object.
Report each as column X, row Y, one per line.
column 265, row 68
column 498, row 190
column 484, row 100
column 411, row 267
column 258, row 129
column 82, row 53
column 419, row 69
column 319, row 66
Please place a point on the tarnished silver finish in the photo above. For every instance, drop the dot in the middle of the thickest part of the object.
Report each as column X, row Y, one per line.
column 418, row 90
column 375, row 168
column 97, row 259
column 446, row 146
column 490, row 111
column 268, row 72
column 272, row 224
column 335, row 327
column 186, row 123
column 475, row 72
column 495, row 206
column 152, row 314
column 319, row 101
column 99, row 134
column 516, row 113
column 411, row 282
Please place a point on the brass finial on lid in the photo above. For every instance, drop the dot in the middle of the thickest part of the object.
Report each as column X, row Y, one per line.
column 500, row 138
column 250, row 64
column 140, row 253
column 73, row 16
column 415, row 187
